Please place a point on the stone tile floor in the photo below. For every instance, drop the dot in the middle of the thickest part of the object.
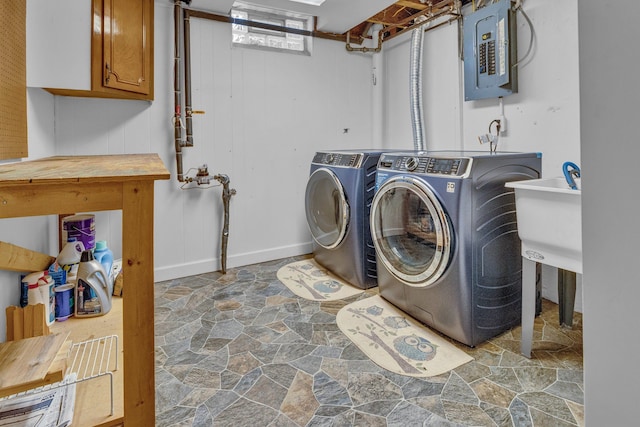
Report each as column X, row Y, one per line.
column 242, row 350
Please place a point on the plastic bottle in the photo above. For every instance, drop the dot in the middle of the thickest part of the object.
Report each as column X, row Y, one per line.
column 69, row 258
column 45, row 286
column 104, row 255
column 34, row 296
column 91, row 276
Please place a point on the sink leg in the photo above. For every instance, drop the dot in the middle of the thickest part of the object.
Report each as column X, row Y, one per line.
column 528, row 305
column 566, row 296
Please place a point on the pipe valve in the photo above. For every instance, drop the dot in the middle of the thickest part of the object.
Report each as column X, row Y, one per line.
column 202, row 176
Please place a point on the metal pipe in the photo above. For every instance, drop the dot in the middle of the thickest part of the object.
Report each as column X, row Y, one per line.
column 202, row 177
column 265, row 26
column 226, row 196
column 177, row 125
column 188, row 111
column 566, row 296
column 376, row 49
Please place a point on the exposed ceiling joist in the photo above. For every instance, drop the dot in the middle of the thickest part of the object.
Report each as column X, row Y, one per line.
column 396, row 18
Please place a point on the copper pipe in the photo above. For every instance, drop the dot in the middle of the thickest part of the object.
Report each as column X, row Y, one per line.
column 364, row 49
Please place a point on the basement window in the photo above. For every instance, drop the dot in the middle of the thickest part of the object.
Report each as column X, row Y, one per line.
column 274, row 29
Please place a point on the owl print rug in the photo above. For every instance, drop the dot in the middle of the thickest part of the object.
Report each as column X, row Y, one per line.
column 311, row 281
column 396, row 341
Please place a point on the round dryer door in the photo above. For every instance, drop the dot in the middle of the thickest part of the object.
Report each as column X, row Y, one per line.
column 411, row 232
column 327, row 208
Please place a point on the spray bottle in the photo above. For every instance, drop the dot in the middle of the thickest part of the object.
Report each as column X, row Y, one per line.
column 91, row 277
column 34, row 295
column 69, row 258
column 45, row 286
column 40, row 291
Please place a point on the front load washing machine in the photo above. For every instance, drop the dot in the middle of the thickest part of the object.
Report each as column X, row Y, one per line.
column 445, row 233
column 338, row 202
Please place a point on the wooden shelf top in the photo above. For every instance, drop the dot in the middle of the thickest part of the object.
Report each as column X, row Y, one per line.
column 84, row 169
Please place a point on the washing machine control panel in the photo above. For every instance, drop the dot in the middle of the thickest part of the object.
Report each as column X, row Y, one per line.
column 447, row 166
column 425, row 164
column 347, row 160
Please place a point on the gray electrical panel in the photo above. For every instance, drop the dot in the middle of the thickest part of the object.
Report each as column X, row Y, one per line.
column 490, row 52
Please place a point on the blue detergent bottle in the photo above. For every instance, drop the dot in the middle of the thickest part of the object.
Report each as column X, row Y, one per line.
column 104, row 255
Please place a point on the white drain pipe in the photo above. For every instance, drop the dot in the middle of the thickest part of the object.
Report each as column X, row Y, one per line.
column 377, row 94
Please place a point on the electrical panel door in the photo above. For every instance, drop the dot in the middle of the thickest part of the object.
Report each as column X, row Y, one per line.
column 490, row 52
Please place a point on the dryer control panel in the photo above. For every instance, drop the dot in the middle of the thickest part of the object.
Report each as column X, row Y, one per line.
column 347, row 160
column 457, row 166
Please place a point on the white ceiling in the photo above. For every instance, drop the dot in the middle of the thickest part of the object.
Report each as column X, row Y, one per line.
column 334, row 16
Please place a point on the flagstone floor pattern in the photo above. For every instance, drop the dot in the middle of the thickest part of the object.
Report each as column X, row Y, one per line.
column 242, row 350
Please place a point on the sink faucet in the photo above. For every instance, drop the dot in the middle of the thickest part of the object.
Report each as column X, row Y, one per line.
column 571, row 171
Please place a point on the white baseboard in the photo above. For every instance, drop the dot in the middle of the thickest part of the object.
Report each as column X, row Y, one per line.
column 213, row 264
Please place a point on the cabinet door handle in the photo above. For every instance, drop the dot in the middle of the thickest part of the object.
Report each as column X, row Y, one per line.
column 108, row 75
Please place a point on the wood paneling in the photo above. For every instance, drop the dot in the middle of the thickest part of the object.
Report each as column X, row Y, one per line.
column 13, row 80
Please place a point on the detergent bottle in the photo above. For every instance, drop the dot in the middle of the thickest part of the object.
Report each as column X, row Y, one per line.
column 92, row 289
column 104, row 255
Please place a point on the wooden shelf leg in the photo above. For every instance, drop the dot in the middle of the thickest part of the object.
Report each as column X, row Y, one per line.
column 138, row 311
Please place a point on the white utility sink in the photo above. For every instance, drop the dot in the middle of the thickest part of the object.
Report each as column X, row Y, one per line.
column 549, row 222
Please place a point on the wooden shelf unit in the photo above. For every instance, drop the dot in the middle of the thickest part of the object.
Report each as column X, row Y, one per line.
column 62, row 184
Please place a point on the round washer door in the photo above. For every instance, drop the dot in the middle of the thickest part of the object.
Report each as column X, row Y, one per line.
column 411, row 232
column 327, row 208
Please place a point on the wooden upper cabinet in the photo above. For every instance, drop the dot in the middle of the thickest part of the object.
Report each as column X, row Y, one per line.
column 122, row 46
column 91, row 48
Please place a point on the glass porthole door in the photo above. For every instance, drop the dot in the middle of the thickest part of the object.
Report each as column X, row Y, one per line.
column 327, row 208
column 411, row 232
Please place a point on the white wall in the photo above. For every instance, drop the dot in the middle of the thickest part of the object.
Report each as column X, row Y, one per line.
column 544, row 116
column 610, row 203
column 266, row 114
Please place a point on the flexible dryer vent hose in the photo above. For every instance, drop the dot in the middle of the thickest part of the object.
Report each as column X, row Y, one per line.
column 415, row 80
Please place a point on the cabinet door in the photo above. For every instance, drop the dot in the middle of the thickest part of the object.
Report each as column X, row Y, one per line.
column 127, row 45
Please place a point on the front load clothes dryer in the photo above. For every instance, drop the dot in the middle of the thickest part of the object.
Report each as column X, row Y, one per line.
column 445, row 233
column 338, row 202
